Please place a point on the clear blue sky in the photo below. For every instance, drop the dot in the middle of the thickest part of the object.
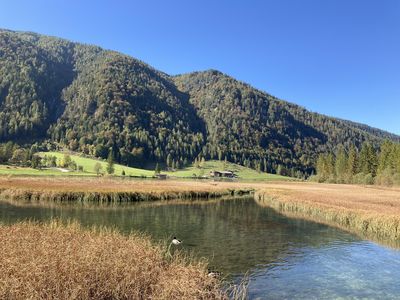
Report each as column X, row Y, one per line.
column 337, row 57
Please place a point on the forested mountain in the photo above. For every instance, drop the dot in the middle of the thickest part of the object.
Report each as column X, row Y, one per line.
column 60, row 94
column 256, row 129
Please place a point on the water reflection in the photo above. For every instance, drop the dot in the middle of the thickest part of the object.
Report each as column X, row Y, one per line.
column 287, row 258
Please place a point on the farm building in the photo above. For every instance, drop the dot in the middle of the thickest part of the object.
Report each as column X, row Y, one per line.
column 224, row 174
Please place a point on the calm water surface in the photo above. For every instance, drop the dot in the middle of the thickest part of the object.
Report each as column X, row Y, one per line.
column 285, row 258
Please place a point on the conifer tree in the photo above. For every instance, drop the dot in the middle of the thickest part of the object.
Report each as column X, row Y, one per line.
column 157, row 170
column 352, row 163
column 341, row 165
column 110, row 162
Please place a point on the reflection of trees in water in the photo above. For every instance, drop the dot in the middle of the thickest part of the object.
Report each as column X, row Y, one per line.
column 236, row 234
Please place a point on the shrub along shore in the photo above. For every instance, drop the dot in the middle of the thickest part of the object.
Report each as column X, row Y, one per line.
column 372, row 212
column 55, row 261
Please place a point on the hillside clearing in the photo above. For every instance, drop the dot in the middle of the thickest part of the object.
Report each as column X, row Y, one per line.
column 89, row 163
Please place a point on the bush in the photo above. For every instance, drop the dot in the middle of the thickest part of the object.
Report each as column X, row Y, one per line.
column 362, row 178
column 369, row 179
column 385, row 178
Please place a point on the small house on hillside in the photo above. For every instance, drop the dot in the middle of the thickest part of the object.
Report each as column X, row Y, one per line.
column 161, row 176
column 223, row 174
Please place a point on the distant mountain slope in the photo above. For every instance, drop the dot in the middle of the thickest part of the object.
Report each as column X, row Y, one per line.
column 247, row 123
column 92, row 100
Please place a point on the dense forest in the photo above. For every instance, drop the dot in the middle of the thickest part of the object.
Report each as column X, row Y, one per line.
column 56, row 94
column 367, row 166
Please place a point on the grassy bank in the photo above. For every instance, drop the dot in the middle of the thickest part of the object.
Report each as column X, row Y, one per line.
column 114, row 190
column 373, row 212
column 54, row 261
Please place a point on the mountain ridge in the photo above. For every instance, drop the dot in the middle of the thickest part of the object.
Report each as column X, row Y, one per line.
column 87, row 99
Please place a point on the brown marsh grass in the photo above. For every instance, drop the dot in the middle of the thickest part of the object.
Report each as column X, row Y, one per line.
column 371, row 211
column 54, row 261
column 114, row 190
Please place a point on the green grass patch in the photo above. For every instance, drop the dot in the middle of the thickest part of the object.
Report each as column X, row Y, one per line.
column 88, row 164
column 241, row 171
column 13, row 170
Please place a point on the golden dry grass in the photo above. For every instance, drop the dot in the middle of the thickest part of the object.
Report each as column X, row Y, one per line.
column 369, row 210
column 53, row 261
column 116, row 185
column 109, row 189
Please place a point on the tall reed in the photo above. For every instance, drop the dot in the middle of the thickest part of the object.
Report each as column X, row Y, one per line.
column 55, row 261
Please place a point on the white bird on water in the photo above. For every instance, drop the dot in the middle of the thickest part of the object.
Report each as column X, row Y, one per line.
column 175, row 241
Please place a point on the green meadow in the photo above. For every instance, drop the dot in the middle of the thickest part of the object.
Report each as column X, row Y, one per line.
column 88, row 165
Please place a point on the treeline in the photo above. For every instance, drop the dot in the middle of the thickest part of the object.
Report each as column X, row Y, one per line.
column 13, row 154
column 369, row 166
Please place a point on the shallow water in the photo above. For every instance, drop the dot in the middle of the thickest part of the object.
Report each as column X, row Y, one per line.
column 285, row 258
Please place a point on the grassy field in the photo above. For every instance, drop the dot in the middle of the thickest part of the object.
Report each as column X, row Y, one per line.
column 189, row 172
column 89, row 163
column 243, row 172
column 373, row 212
column 55, row 261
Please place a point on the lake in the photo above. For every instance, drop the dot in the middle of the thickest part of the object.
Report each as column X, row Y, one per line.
column 285, row 258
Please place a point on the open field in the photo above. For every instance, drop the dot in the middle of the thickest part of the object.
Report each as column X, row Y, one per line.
column 189, row 172
column 371, row 211
column 54, row 261
column 89, row 163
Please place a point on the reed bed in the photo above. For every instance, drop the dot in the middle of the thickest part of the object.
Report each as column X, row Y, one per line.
column 55, row 261
column 114, row 190
column 373, row 212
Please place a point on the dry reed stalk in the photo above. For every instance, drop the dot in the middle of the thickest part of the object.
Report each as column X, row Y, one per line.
column 113, row 190
column 373, row 212
column 54, row 261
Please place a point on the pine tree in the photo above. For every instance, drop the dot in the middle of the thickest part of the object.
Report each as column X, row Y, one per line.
column 320, row 168
column 110, row 162
column 157, row 170
column 372, row 160
column 341, row 165
column 330, row 165
column 385, row 157
column 169, row 160
column 352, row 163
column 363, row 159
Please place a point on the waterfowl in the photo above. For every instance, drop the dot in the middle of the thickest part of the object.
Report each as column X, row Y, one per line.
column 175, row 241
column 213, row 274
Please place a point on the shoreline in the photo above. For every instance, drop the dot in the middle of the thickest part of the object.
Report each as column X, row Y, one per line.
column 371, row 213
column 113, row 190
